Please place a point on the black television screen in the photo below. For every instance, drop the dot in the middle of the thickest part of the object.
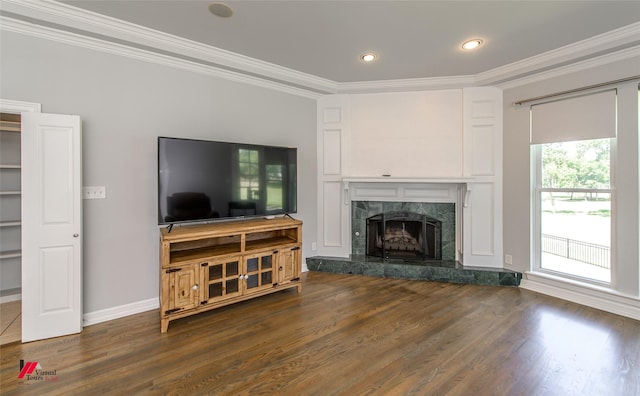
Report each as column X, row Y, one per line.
column 201, row 180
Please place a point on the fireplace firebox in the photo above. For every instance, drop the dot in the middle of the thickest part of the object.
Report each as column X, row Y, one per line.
column 404, row 235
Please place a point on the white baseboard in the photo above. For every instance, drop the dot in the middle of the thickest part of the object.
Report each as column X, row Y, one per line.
column 10, row 298
column 591, row 296
column 104, row 315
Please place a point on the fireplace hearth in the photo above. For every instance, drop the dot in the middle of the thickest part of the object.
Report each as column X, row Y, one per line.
column 404, row 235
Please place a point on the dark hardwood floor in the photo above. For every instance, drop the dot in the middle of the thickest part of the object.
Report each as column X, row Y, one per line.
column 348, row 335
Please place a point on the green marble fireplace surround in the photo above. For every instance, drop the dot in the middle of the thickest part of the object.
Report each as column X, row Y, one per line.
column 362, row 210
column 445, row 270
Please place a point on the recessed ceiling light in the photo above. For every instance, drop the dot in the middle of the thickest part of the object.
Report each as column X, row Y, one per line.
column 368, row 57
column 220, row 9
column 471, row 44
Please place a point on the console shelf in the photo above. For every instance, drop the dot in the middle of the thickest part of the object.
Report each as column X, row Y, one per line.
column 204, row 267
column 268, row 242
column 183, row 256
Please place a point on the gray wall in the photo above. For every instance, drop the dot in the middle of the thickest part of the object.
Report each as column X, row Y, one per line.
column 124, row 105
column 517, row 192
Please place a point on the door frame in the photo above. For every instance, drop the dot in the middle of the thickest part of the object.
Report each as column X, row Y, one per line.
column 16, row 107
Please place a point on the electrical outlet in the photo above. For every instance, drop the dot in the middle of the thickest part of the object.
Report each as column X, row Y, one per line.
column 94, row 192
column 508, row 259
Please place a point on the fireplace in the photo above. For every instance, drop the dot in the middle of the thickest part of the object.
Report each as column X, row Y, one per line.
column 431, row 224
column 404, row 235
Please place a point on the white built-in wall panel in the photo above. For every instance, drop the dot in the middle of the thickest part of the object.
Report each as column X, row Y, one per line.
column 482, row 223
column 332, row 152
column 406, row 134
column 332, row 115
column 482, row 148
column 333, row 214
column 401, row 146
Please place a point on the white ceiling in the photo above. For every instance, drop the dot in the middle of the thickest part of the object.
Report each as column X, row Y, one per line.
column 414, row 39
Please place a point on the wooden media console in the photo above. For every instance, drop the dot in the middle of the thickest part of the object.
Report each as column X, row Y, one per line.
column 203, row 267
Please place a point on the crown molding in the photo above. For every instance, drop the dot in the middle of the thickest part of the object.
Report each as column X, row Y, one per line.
column 624, row 36
column 105, row 30
column 29, row 29
column 413, row 84
column 602, row 60
column 61, row 22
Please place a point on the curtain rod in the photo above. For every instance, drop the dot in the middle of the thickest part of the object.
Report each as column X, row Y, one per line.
column 519, row 102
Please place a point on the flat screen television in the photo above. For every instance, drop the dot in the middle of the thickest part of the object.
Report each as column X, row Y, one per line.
column 201, row 180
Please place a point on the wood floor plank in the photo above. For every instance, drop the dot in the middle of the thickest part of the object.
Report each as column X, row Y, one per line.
column 10, row 322
column 349, row 335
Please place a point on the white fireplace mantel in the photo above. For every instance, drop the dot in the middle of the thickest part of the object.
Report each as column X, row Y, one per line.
column 404, row 189
column 422, row 180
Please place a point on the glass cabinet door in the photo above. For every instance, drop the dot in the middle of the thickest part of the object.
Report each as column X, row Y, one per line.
column 222, row 279
column 259, row 271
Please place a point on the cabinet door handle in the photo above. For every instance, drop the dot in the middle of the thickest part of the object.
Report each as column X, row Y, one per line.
column 195, row 287
column 280, row 268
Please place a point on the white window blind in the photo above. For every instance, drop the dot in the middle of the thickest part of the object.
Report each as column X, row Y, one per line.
column 591, row 116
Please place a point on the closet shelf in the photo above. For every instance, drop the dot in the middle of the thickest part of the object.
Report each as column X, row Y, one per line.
column 10, row 254
column 10, row 126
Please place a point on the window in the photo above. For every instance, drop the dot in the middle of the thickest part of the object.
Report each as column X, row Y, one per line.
column 575, row 208
column 572, row 144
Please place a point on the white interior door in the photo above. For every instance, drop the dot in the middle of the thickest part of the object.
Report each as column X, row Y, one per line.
column 51, row 226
